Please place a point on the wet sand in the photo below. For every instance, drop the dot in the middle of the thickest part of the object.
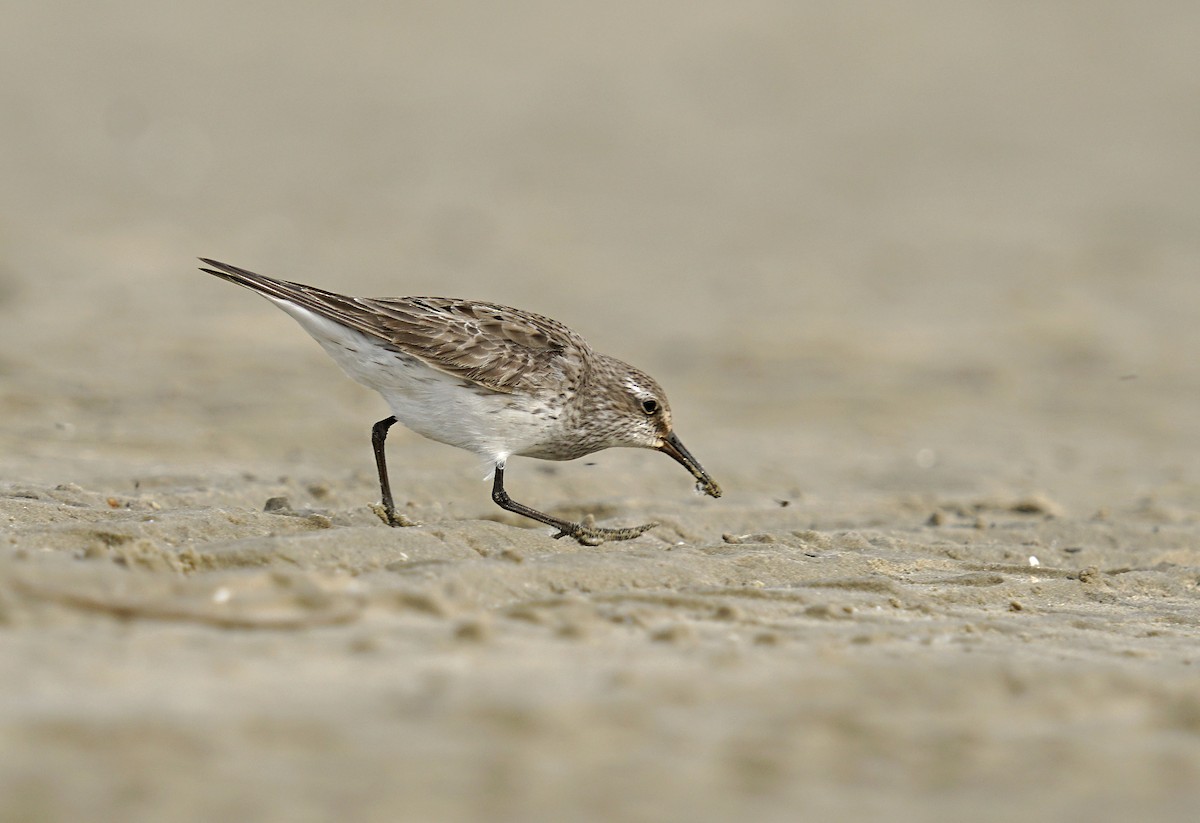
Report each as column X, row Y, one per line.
column 922, row 287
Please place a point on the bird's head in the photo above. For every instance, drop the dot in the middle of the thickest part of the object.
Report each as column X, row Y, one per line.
column 638, row 415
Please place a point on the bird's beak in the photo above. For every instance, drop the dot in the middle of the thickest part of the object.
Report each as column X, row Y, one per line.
column 671, row 445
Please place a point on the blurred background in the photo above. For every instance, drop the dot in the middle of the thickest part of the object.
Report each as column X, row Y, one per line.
column 937, row 246
column 894, row 262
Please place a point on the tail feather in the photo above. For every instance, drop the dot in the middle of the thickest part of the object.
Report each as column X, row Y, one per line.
column 327, row 304
column 255, row 282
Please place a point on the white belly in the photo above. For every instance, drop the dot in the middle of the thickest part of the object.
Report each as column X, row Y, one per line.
column 431, row 402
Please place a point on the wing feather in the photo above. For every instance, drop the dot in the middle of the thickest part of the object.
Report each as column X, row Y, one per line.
column 494, row 346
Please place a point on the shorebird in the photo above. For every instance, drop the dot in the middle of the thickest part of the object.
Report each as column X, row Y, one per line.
column 490, row 379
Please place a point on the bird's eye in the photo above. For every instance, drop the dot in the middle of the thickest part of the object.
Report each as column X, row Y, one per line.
column 650, row 406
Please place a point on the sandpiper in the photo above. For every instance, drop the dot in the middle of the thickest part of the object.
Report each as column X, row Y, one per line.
column 493, row 380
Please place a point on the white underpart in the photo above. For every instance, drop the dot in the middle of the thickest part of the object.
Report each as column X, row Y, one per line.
column 429, row 401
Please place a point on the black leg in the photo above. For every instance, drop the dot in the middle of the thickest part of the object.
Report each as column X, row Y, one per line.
column 388, row 513
column 587, row 535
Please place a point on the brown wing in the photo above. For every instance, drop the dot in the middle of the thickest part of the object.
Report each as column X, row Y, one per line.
column 495, row 346
column 498, row 347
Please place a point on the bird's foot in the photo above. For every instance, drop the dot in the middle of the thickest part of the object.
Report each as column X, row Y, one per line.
column 391, row 517
column 589, row 534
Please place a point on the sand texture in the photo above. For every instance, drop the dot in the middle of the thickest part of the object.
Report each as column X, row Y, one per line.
column 922, row 282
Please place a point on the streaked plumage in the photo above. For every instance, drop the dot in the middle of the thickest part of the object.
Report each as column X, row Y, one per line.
column 491, row 379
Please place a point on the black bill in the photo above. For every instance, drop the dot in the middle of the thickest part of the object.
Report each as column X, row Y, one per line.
column 671, row 445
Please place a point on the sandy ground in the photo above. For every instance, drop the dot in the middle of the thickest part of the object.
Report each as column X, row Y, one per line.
column 922, row 281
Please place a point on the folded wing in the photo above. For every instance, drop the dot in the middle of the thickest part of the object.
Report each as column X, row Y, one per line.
column 494, row 346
